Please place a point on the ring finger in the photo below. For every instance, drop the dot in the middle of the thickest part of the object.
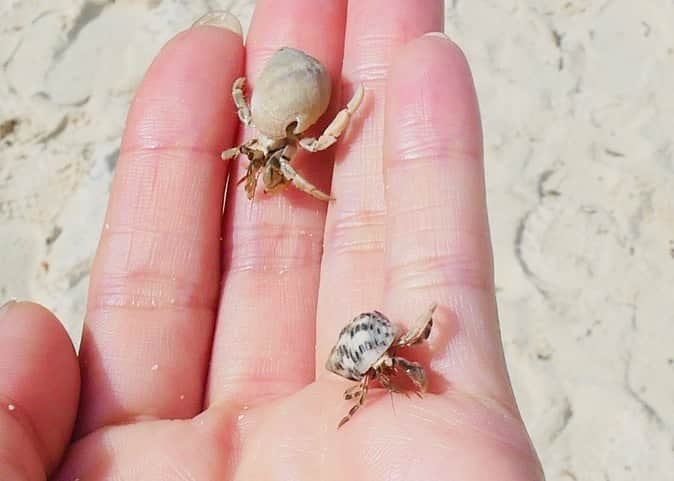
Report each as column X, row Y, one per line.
column 353, row 269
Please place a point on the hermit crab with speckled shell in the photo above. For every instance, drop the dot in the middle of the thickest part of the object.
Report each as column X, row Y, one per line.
column 366, row 351
column 291, row 94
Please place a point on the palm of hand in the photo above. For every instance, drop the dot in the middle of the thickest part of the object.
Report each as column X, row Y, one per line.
column 439, row 437
column 185, row 379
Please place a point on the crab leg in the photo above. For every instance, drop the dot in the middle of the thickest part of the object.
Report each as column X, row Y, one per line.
column 421, row 328
column 291, row 175
column 415, row 372
column 230, row 153
column 390, row 386
column 361, row 399
column 336, row 127
column 250, row 178
column 248, row 148
column 242, row 109
column 352, row 392
column 256, row 159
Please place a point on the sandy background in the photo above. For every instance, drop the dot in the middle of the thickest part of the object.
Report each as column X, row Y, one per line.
column 578, row 117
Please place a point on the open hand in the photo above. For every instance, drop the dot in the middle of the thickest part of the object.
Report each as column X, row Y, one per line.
column 207, row 333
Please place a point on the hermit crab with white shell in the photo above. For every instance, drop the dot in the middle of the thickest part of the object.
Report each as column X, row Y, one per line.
column 291, row 94
column 366, row 351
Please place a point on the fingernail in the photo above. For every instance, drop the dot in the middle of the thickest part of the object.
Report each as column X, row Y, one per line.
column 441, row 35
column 221, row 19
column 4, row 309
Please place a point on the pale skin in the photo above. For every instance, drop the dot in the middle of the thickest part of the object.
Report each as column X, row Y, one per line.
column 204, row 358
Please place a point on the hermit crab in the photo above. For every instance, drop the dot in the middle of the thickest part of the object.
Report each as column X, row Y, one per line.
column 366, row 351
column 291, row 94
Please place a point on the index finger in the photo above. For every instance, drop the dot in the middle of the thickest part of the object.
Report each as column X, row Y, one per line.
column 154, row 285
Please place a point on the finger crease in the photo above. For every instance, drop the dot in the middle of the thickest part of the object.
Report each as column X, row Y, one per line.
column 360, row 231
column 440, row 271
column 272, row 248
column 141, row 291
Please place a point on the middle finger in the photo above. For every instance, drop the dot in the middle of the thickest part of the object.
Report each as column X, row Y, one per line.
column 352, row 276
column 264, row 341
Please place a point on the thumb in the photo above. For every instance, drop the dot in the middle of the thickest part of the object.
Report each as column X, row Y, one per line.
column 39, row 391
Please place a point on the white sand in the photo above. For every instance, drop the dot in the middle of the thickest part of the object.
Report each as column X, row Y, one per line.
column 578, row 117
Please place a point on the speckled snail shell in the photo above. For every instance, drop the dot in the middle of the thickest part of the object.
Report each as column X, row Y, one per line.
column 361, row 343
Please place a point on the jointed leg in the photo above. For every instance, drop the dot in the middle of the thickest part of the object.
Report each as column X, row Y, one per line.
column 251, row 176
column 336, row 127
column 361, row 399
column 384, row 380
column 230, row 153
column 250, row 149
column 256, row 158
column 421, row 328
column 352, row 392
column 415, row 372
column 291, row 175
column 388, row 384
column 242, row 108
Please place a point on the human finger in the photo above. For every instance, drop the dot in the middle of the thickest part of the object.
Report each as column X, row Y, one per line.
column 353, row 268
column 437, row 235
column 39, row 391
column 154, row 285
column 264, row 343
